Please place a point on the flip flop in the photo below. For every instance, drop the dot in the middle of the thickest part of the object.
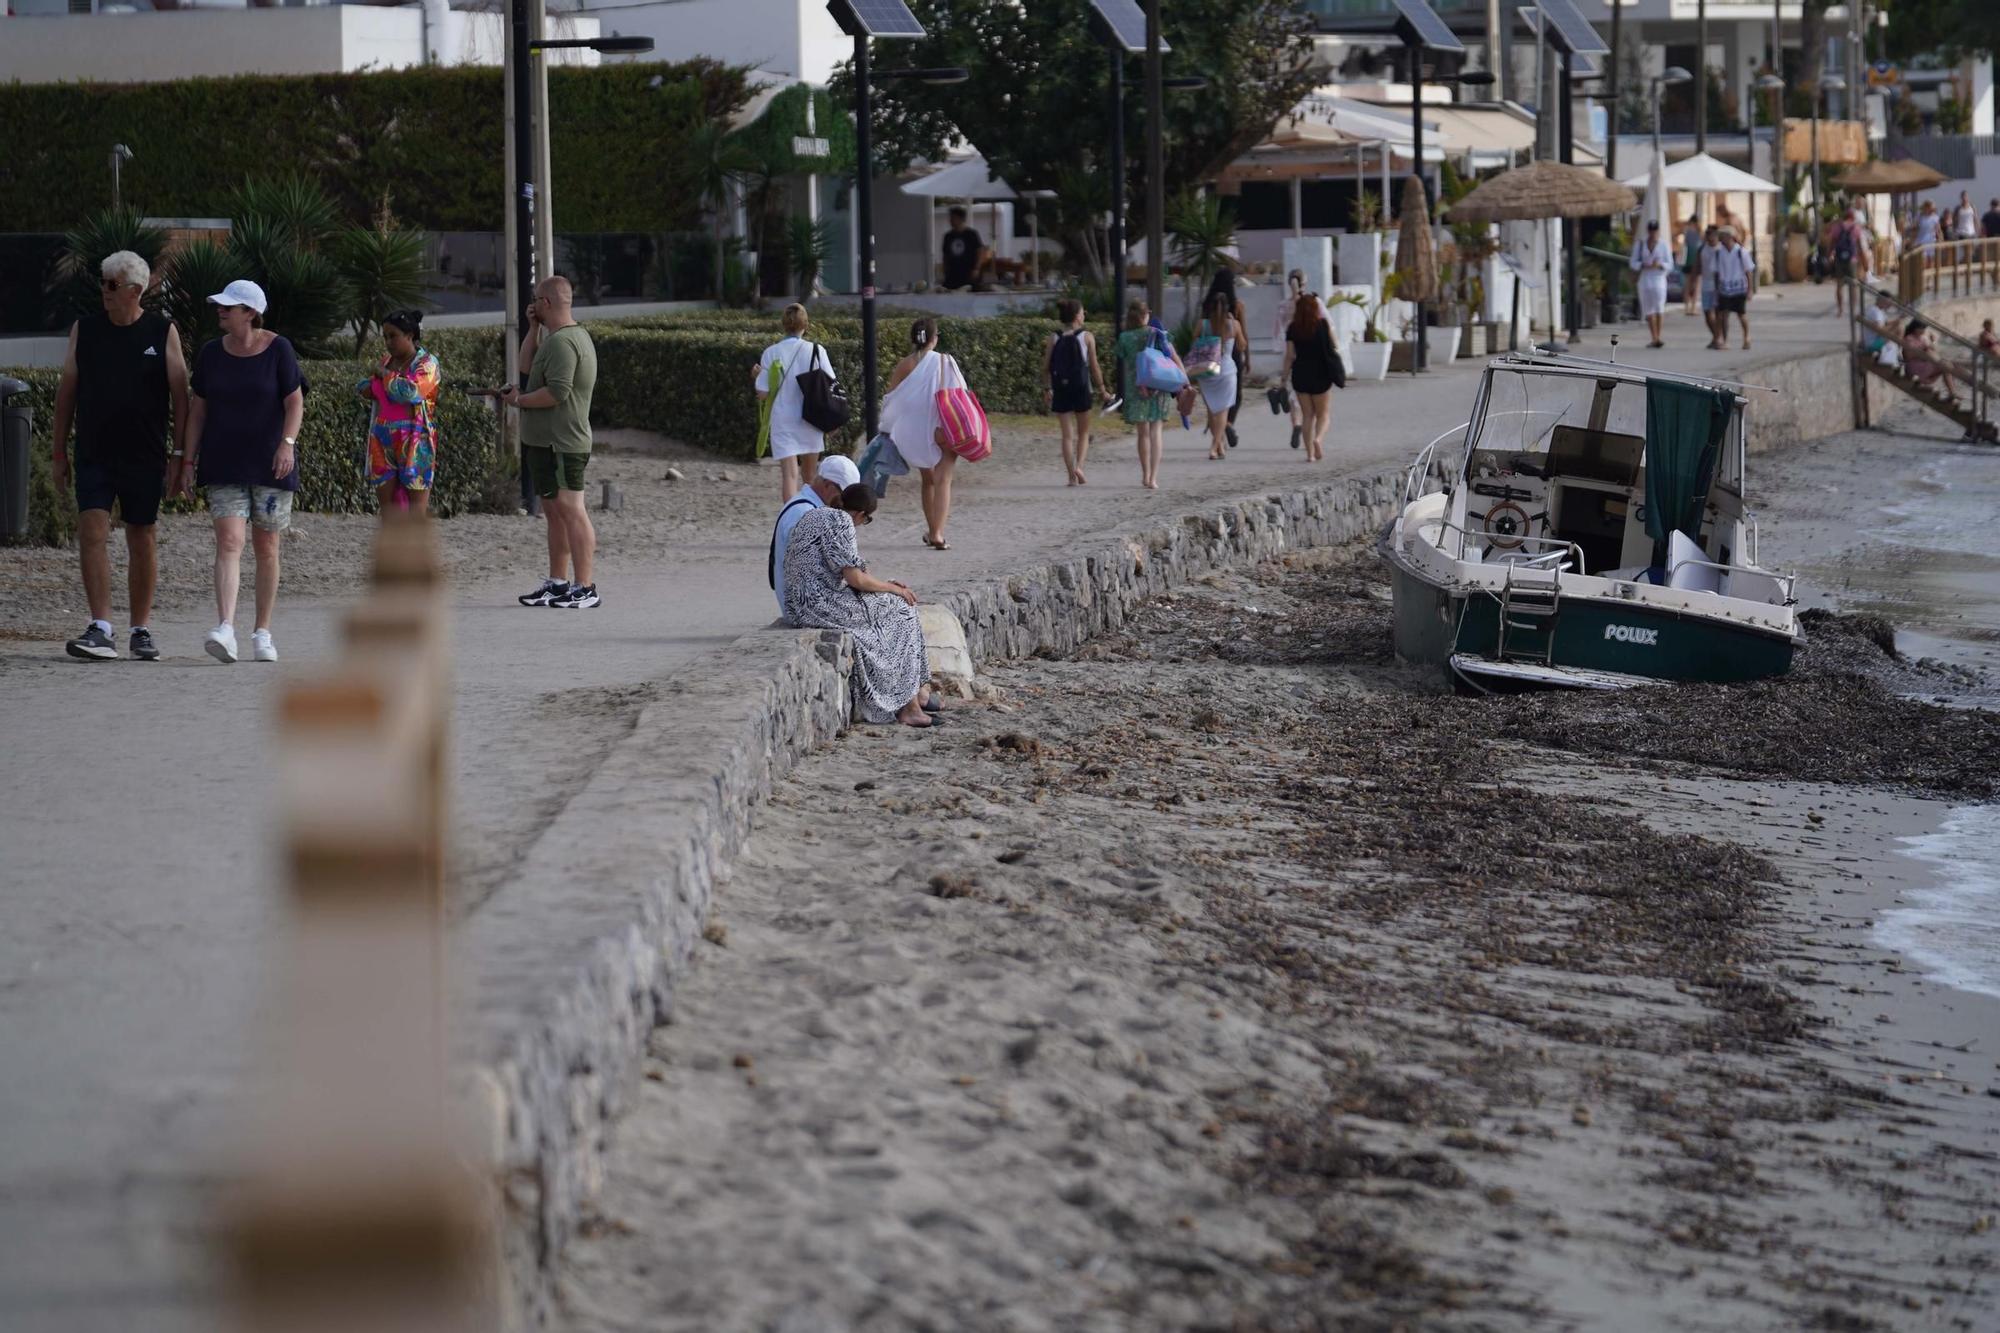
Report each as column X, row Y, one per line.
column 933, row 707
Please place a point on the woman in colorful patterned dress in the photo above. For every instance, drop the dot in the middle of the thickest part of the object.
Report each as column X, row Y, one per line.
column 402, row 438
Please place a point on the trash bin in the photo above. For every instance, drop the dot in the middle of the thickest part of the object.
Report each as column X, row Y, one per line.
column 14, row 425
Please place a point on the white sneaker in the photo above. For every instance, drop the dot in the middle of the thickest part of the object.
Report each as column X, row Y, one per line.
column 261, row 647
column 221, row 644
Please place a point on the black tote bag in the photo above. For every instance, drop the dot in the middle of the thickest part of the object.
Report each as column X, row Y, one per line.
column 824, row 404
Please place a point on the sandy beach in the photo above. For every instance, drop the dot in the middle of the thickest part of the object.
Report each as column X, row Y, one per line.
column 1232, row 977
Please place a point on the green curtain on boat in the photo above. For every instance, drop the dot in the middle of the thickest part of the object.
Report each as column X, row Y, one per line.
column 1684, row 429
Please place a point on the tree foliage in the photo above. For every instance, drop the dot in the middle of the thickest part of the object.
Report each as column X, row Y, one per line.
column 1949, row 29
column 1038, row 103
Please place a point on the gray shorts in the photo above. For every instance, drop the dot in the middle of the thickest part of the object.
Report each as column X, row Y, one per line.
column 267, row 507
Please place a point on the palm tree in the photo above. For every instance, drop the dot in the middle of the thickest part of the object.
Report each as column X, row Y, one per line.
column 383, row 270
column 1202, row 230
column 715, row 162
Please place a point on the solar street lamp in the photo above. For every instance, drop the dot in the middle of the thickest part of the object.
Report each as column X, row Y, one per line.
column 1832, row 83
column 861, row 20
column 523, row 51
column 1671, row 74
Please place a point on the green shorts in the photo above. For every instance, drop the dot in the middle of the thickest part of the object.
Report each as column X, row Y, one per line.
column 548, row 469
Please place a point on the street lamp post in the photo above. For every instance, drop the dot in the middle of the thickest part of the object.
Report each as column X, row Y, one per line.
column 1671, row 74
column 1832, row 83
column 864, row 208
column 524, row 165
column 119, row 154
column 1477, row 78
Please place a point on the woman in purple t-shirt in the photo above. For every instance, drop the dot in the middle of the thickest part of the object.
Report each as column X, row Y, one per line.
column 246, row 400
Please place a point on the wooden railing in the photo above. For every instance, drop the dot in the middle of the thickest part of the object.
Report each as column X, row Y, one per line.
column 1962, row 359
column 1949, row 268
column 358, row 1211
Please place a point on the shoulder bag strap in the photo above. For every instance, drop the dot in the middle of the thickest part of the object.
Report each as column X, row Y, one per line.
column 771, row 565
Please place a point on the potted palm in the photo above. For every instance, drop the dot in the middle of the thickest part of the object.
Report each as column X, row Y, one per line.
column 1369, row 358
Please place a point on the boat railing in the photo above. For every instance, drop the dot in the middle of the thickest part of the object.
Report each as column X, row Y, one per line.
column 1562, row 555
column 1788, row 583
column 1416, row 481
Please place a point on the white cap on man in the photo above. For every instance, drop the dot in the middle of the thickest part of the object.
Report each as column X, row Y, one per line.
column 241, row 292
column 840, row 470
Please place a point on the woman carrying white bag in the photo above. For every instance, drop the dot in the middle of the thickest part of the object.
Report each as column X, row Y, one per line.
column 921, row 384
column 795, row 442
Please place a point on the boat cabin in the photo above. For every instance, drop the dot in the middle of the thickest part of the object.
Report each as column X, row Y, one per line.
column 1555, row 470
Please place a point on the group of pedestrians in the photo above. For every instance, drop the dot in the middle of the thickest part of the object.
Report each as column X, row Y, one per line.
column 148, row 427
column 1718, row 276
column 234, row 423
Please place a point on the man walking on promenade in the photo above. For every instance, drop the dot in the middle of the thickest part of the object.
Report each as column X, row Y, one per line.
column 836, row 473
column 121, row 372
column 1735, row 275
column 560, row 362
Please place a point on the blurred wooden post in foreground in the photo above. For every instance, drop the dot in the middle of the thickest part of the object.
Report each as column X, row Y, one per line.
column 358, row 1211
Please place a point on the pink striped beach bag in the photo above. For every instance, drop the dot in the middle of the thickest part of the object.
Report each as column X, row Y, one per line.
column 962, row 426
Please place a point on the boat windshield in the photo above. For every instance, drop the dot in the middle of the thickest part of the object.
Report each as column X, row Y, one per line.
column 1524, row 407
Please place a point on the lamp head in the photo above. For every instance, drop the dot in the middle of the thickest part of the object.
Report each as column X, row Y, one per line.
column 1673, row 74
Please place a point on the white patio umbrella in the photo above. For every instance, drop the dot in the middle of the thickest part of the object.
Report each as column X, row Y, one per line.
column 1702, row 174
column 1653, row 208
column 969, row 179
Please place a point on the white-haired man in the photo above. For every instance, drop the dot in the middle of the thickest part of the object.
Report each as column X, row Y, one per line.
column 836, row 473
column 122, row 372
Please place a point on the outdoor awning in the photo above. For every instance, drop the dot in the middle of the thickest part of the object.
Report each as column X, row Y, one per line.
column 1702, row 174
column 968, row 178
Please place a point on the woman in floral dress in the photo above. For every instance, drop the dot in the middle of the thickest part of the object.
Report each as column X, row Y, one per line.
column 402, row 438
column 828, row 587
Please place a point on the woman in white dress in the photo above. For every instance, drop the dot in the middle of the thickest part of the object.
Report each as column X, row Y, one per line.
column 795, row 443
column 1218, row 392
column 910, row 418
column 1651, row 258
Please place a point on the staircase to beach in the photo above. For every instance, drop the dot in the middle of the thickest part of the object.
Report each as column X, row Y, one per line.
column 1967, row 367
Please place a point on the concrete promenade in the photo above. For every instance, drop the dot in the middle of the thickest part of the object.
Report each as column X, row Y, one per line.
column 141, row 897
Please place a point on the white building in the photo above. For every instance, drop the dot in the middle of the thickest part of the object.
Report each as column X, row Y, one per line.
column 40, row 42
column 784, row 41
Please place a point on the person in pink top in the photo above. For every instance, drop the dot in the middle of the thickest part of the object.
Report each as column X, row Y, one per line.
column 403, row 436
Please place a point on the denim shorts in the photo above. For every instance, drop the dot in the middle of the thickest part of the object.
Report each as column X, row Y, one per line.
column 267, row 507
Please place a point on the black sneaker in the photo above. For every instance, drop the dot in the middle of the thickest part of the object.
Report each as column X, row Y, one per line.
column 143, row 646
column 1298, row 433
column 577, row 596
column 93, row 645
column 547, row 594
column 1229, row 433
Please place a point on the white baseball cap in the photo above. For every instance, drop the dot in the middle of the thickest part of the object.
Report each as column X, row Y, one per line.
column 840, row 470
column 241, row 292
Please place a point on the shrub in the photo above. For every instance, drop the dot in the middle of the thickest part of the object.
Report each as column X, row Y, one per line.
column 332, row 441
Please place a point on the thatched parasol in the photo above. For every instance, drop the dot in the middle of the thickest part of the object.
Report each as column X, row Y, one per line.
column 1543, row 190
column 1889, row 178
column 1416, row 252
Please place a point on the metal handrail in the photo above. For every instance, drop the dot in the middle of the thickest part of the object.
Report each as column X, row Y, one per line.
column 1420, row 470
column 1789, row 581
column 1979, row 375
column 1563, row 546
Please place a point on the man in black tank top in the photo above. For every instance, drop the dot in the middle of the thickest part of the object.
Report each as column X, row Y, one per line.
column 123, row 370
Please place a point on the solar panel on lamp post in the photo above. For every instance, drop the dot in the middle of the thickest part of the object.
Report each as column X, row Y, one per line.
column 861, row 20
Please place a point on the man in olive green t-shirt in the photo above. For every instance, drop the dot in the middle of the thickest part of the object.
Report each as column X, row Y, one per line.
column 561, row 366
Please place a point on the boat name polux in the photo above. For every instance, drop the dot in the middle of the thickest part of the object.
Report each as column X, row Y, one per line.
column 1632, row 634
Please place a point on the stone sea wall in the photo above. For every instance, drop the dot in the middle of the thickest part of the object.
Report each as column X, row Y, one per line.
column 564, row 978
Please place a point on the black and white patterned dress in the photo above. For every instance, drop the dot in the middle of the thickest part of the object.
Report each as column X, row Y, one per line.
column 889, row 663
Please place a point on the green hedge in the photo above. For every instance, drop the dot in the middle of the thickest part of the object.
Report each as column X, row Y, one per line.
column 432, row 138
column 690, row 376
column 332, row 444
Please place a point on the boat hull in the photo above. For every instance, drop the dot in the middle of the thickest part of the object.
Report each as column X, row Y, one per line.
column 1432, row 623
